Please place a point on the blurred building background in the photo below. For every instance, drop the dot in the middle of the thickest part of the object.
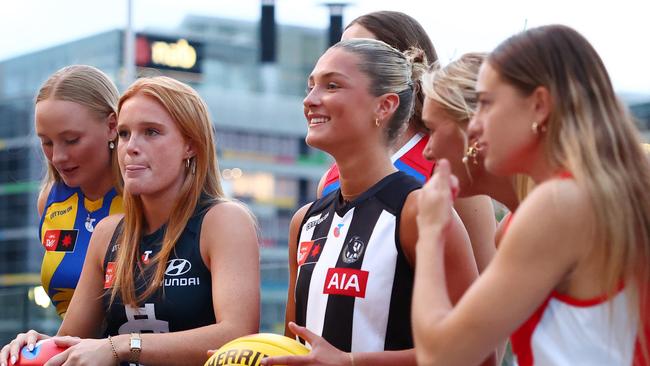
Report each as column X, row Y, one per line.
column 252, row 76
column 254, row 95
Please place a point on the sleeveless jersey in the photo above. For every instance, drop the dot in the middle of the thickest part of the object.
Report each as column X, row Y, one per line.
column 354, row 282
column 569, row 331
column 184, row 301
column 66, row 226
column 408, row 159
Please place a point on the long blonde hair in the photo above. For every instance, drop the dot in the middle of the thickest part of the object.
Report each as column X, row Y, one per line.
column 592, row 135
column 84, row 85
column 190, row 113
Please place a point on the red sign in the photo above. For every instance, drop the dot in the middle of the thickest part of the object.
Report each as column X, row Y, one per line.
column 346, row 281
column 109, row 276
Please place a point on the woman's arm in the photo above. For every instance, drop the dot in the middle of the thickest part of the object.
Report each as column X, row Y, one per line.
column 294, row 231
column 536, row 254
column 477, row 215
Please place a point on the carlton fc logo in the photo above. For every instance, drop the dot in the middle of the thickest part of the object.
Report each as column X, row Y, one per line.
column 178, row 267
column 353, row 250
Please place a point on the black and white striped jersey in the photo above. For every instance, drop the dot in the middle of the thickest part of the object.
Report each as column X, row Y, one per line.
column 354, row 283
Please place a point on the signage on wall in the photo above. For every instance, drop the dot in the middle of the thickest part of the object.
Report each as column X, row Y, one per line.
column 166, row 53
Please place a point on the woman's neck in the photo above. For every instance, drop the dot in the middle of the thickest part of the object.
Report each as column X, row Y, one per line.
column 98, row 188
column 359, row 172
column 501, row 189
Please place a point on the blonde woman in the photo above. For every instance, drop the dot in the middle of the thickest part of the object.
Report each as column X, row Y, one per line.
column 75, row 120
column 351, row 253
column 178, row 274
column 404, row 32
column 570, row 281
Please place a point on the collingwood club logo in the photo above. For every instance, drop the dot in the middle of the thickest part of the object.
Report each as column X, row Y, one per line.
column 353, row 250
column 177, row 267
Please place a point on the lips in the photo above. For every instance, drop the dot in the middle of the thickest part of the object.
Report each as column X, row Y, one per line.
column 132, row 170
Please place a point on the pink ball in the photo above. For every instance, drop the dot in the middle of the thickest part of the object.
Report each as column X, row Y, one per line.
column 43, row 351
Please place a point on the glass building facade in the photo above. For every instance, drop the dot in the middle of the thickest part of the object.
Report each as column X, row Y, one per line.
column 260, row 129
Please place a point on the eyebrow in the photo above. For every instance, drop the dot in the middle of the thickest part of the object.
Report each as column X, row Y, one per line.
column 146, row 124
column 329, row 75
column 62, row 133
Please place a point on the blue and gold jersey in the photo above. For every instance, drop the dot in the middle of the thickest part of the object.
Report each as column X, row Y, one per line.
column 66, row 226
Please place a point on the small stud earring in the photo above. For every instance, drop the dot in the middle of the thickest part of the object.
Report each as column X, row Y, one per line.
column 111, row 145
column 538, row 128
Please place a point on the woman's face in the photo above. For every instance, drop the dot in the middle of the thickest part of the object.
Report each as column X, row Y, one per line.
column 446, row 141
column 339, row 109
column 151, row 148
column 502, row 124
column 75, row 141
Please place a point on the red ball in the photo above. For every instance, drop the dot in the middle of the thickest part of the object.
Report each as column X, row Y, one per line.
column 43, row 351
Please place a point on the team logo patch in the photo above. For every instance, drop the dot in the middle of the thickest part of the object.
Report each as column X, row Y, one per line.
column 309, row 251
column 60, row 240
column 109, row 276
column 346, row 281
column 353, row 250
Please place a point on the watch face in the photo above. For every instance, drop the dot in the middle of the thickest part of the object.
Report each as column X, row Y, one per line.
column 136, row 343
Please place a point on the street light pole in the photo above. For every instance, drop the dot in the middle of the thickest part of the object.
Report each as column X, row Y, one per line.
column 128, row 71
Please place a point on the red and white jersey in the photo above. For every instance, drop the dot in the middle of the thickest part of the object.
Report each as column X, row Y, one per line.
column 568, row 331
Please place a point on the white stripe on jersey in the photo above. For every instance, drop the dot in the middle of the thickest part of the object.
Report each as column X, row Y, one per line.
column 317, row 300
column 371, row 313
column 407, row 146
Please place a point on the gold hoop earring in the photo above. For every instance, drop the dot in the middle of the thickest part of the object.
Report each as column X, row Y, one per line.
column 538, row 128
column 471, row 153
column 377, row 122
column 187, row 163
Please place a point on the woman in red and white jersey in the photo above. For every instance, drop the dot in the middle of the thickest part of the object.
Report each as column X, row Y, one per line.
column 570, row 281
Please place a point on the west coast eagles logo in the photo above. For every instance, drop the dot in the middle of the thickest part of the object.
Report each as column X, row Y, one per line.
column 353, row 250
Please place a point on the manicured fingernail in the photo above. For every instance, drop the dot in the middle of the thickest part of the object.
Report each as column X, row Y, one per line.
column 30, row 347
column 13, row 360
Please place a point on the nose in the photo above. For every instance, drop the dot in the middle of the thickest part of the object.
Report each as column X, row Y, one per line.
column 427, row 153
column 59, row 154
column 475, row 128
column 312, row 99
column 129, row 145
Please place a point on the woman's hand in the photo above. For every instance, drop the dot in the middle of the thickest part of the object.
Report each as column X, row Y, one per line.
column 322, row 353
column 83, row 352
column 9, row 353
column 436, row 200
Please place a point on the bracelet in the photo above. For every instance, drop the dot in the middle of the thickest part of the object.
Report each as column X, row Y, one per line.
column 351, row 359
column 117, row 359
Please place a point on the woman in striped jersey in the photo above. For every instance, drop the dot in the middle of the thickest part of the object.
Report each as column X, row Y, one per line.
column 570, row 281
column 352, row 252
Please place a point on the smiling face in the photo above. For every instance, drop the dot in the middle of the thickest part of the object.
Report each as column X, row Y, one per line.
column 339, row 109
column 151, row 148
column 502, row 124
column 75, row 141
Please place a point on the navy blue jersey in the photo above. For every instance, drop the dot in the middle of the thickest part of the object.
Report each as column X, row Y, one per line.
column 184, row 300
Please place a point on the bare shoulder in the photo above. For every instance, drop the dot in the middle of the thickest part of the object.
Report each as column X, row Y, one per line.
column 42, row 198
column 560, row 202
column 297, row 218
column 102, row 235
column 227, row 213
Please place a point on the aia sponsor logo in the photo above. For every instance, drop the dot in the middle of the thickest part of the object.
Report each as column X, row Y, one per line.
column 109, row 275
column 309, row 251
column 353, row 250
column 60, row 240
column 337, row 230
column 346, row 281
column 178, row 267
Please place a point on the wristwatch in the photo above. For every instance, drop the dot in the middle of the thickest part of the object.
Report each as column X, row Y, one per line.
column 136, row 347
